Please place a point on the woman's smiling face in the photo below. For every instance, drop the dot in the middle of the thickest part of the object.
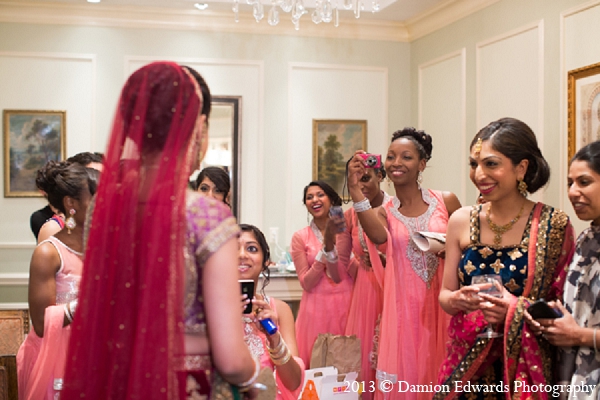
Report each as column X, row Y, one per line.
column 493, row 173
column 317, row 202
column 403, row 162
column 584, row 191
column 251, row 257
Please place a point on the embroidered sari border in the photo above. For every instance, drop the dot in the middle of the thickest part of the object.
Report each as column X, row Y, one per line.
column 466, row 368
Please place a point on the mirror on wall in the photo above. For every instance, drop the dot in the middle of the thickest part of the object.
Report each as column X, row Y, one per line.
column 224, row 143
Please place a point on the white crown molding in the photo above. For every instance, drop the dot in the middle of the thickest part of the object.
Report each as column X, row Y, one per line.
column 163, row 18
column 443, row 15
column 17, row 245
column 14, row 306
column 427, row 22
column 14, row 279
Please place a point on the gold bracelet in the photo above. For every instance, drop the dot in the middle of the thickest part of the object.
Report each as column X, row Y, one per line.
column 278, row 350
column 283, row 360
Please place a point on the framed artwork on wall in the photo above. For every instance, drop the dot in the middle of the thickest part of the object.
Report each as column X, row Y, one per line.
column 583, row 107
column 334, row 142
column 31, row 139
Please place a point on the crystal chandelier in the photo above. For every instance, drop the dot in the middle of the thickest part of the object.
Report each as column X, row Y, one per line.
column 322, row 10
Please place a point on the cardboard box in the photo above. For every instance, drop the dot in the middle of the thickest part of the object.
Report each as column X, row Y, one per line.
column 332, row 386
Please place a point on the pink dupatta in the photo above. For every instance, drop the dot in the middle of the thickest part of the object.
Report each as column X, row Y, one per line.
column 42, row 360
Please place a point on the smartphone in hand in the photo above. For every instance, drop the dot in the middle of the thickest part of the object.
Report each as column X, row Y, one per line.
column 337, row 212
column 247, row 286
column 541, row 310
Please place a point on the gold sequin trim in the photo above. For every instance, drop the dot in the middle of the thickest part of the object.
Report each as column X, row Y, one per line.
column 216, row 238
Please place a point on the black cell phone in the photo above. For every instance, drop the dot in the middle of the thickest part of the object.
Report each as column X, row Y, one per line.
column 540, row 309
column 247, row 289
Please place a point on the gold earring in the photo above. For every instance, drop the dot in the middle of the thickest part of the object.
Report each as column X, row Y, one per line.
column 522, row 187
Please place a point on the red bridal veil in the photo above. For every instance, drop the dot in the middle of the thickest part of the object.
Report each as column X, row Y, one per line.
column 128, row 324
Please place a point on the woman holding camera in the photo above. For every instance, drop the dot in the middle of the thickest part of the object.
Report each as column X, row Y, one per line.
column 277, row 351
column 413, row 326
column 577, row 332
column 367, row 294
column 326, row 293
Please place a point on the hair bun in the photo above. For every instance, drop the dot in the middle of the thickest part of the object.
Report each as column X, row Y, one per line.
column 421, row 138
column 46, row 176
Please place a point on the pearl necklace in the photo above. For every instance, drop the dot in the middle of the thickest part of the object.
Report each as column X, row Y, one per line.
column 500, row 230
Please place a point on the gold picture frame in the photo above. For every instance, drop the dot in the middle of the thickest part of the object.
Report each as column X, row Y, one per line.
column 583, row 125
column 334, row 142
column 31, row 139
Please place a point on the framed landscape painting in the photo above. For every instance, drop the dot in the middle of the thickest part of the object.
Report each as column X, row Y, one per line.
column 31, row 139
column 334, row 142
column 583, row 107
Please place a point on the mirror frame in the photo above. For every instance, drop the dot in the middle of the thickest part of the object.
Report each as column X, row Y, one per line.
column 236, row 104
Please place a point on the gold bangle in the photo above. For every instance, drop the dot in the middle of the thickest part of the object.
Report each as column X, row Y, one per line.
column 283, row 360
column 277, row 350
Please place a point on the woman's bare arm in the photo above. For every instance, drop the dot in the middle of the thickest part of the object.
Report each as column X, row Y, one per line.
column 221, row 293
column 44, row 265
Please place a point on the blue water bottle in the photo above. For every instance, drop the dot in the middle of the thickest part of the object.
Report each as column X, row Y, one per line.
column 268, row 326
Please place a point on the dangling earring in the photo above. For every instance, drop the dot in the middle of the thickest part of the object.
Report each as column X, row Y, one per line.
column 420, row 178
column 522, row 186
column 480, row 199
column 70, row 222
column 388, row 180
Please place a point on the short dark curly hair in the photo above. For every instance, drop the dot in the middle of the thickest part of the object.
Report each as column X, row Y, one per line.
column 421, row 139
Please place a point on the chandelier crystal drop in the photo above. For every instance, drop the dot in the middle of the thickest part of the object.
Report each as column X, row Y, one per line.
column 325, row 11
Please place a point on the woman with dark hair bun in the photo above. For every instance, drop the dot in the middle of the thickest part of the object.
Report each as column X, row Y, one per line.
column 523, row 244
column 412, row 329
column 326, row 294
column 55, row 270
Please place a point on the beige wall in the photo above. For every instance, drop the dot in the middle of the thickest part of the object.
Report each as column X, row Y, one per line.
column 81, row 69
column 510, row 59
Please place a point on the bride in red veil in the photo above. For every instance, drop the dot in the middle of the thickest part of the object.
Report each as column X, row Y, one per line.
column 160, row 270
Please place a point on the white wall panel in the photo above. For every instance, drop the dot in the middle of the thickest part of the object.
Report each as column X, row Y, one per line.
column 510, row 72
column 318, row 91
column 442, row 114
column 235, row 78
column 45, row 81
column 578, row 26
column 510, row 80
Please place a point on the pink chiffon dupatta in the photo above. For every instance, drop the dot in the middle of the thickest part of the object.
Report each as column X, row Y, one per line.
column 51, row 353
column 127, row 330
